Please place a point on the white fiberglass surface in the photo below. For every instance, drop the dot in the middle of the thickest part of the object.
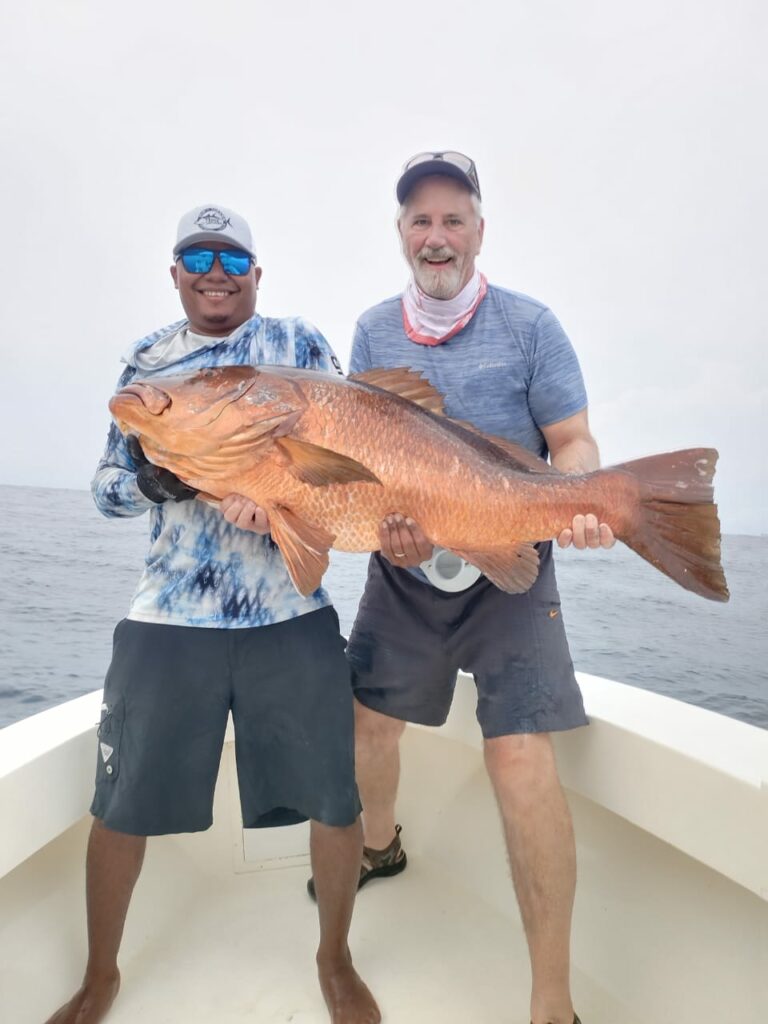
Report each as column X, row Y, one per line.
column 203, row 946
column 658, row 936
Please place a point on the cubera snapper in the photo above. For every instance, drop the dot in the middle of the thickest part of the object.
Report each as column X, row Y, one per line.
column 328, row 458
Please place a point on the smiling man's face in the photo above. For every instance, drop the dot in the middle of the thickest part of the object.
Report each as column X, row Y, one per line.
column 216, row 303
column 441, row 235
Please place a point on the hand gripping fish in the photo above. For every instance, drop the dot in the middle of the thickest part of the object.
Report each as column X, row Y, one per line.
column 328, row 458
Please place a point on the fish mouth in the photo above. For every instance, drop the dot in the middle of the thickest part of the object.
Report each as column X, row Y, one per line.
column 154, row 399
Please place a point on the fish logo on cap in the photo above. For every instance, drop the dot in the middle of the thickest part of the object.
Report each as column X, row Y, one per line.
column 211, row 219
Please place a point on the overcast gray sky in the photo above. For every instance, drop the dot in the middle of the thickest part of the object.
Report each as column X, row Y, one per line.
column 621, row 148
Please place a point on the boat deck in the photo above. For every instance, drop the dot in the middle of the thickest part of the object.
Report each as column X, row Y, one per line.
column 671, row 915
column 240, row 947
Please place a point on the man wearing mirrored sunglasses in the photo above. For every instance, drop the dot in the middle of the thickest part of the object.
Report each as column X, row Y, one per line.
column 502, row 362
column 216, row 626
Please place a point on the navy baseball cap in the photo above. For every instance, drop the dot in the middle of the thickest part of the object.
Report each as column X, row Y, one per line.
column 449, row 163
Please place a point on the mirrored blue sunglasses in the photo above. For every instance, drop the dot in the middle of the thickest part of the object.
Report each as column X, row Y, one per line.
column 235, row 262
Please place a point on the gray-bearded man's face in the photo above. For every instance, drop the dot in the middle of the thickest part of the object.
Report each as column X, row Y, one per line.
column 441, row 235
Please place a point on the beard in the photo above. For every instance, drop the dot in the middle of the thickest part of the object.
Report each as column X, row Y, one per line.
column 438, row 283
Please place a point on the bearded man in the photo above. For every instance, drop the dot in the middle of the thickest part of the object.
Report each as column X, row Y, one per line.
column 502, row 362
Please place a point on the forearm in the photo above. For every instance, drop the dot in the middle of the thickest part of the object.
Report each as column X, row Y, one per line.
column 114, row 488
column 581, row 455
column 116, row 493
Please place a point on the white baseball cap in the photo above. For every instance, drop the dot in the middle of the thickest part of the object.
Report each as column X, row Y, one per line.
column 212, row 223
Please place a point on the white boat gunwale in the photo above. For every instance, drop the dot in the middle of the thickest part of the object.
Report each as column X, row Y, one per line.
column 671, row 917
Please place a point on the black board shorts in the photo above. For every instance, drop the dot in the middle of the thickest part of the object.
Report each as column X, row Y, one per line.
column 167, row 696
column 410, row 639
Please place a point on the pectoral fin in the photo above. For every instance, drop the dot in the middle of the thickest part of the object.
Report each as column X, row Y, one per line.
column 320, row 466
column 513, row 570
column 304, row 547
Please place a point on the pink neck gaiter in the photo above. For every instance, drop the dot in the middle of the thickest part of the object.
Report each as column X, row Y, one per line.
column 429, row 321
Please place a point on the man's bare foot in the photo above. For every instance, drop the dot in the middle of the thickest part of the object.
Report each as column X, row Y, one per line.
column 90, row 1003
column 346, row 995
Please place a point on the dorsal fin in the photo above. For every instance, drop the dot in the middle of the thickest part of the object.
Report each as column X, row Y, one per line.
column 407, row 384
column 525, row 460
column 412, row 385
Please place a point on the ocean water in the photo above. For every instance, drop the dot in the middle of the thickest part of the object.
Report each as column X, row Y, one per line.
column 69, row 573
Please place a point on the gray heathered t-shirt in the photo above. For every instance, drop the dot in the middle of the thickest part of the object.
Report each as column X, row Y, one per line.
column 510, row 371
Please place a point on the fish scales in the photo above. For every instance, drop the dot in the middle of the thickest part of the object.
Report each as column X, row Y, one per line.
column 329, row 458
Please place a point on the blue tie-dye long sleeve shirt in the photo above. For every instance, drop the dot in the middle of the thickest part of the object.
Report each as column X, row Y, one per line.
column 201, row 570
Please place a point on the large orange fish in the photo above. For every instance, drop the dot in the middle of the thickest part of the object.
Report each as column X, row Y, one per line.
column 329, row 457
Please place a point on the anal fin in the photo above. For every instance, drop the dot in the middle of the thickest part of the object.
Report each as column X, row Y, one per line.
column 512, row 569
column 304, row 547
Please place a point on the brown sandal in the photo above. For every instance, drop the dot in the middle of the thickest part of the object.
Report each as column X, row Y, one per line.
column 376, row 863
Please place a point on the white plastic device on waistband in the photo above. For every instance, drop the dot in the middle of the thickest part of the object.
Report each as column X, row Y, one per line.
column 449, row 572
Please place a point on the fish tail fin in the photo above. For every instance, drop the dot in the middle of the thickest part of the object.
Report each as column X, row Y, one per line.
column 675, row 526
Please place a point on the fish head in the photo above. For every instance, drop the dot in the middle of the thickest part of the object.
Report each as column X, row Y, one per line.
column 203, row 424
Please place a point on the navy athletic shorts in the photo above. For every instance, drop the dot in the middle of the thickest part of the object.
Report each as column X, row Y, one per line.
column 167, row 696
column 410, row 639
